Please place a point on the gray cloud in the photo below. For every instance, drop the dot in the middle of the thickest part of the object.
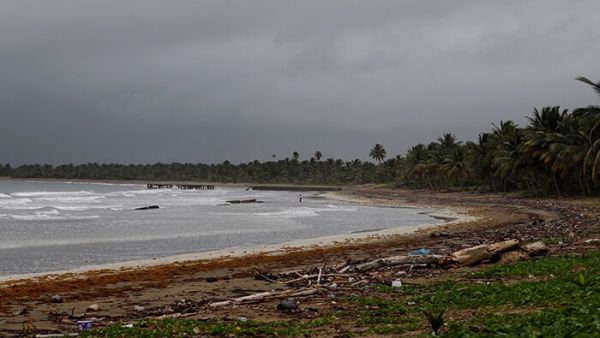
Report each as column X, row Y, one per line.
column 149, row 80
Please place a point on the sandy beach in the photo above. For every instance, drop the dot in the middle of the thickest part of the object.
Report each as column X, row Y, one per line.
column 210, row 277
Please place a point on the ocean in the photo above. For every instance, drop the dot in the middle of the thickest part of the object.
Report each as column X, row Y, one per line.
column 54, row 226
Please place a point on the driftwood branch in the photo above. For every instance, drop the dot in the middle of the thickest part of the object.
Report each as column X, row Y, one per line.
column 398, row 260
column 267, row 295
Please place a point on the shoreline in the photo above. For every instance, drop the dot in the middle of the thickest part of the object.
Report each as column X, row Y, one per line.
column 190, row 287
column 445, row 216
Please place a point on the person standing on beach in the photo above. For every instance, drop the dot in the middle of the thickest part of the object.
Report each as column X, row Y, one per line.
column 300, row 198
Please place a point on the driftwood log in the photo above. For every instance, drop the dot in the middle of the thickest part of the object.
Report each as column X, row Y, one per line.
column 398, row 260
column 476, row 254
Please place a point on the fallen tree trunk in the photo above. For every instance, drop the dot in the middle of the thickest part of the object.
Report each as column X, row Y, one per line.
column 398, row 260
column 476, row 254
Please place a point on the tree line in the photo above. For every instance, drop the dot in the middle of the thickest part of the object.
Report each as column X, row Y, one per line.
column 557, row 152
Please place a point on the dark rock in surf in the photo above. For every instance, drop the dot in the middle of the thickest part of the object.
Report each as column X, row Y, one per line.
column 148, row 207
column 253, row 200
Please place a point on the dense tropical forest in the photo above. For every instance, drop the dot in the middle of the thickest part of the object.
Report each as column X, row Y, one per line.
column 558, row 152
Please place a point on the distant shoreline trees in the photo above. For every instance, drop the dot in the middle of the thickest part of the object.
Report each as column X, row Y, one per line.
column 558, row 152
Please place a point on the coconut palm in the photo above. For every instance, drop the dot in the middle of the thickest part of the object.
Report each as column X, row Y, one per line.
column 295, row 156
column 592, row 110
column 543, row 127
column 567, row 151
column 455, row 166
column 448, row 141
column 378, row 153
column 479, row 159
column 549, row 119
column 507, row 159
column 318, row 155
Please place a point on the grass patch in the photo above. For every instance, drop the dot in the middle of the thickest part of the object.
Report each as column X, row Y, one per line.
column 560, row 266
column 187, row 328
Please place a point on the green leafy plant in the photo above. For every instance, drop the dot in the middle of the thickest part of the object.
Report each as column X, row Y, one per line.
column 436, row 321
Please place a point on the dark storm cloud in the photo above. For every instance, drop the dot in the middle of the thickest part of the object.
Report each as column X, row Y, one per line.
column 146, row 81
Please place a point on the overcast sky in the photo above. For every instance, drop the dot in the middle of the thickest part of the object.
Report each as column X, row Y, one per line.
column 141, row 81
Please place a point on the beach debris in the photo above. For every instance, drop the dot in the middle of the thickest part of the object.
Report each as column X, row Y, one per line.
column 139, row 308
column 84, row 325
column 479, row 253
column 513, row 256
column 347, row 275
column 257, row 297
column 211, row 279
column 148, row 207
column 167, row 310
column 93, row 308
column 535, row 248
column 420, row 252
column 592, row 241
column 22, row 311
column 53, row 335
column 398, row 260
column 320, row 274
column 436, row 234
column 57, row 299
column 345, row 268
column 266, row 276
column 288, row 305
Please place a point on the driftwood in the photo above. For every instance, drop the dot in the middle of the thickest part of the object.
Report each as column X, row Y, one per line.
column 316, row 276
column 267, row 295
column 513, row 256
column 345, row 269
column 319, row 275
column 476, row 254
column 398, row 260
column 535, row 248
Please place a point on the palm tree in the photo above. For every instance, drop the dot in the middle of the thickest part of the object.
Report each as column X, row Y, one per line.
column 414, row 166
column 318, row 155
column 295, row 156
column 543, row 127
column 592, row 110
column 592, row 157
column 549, row 119
column 479, row 159
column 455, row 166
column 378, row 153
column 567, row 151
column 507, row 159
column 448, row 140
